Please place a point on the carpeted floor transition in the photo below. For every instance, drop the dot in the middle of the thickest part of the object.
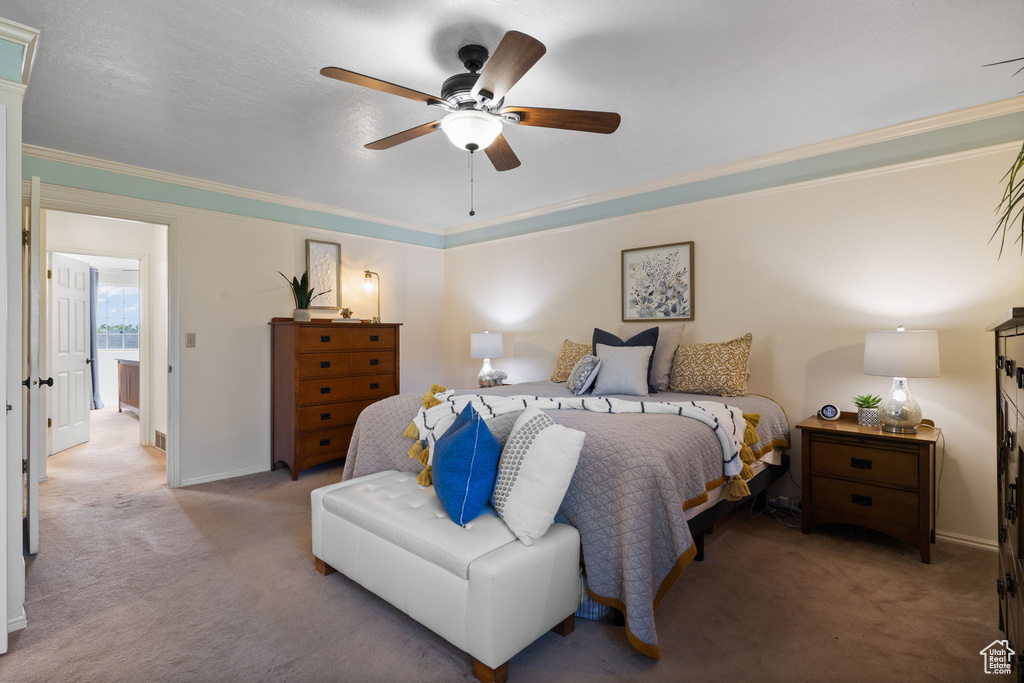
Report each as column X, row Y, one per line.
column 215, row 582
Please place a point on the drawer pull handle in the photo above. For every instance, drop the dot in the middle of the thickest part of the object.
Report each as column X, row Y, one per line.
column 374, row 337
column 1002, row 533
column 374, row 385
column 325, row 442
column 860, row 463
column 999, row 362
column 325, row 390
column 858, row 499
column 374, row 361
column 325, row 416
column 325, row 338
column 1010, row 366
column 325, row 363
column 1011, row 585
column 1020, row 378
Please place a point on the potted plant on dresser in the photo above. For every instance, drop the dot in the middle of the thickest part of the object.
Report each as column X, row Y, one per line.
column 867, row 409
column 303, row 295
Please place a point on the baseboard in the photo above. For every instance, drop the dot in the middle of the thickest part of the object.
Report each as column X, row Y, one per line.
column 223, row 475
column 18, row 622
column 961, row 539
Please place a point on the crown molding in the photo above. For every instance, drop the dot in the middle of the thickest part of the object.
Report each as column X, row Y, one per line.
column 17, row 33
column 931, row 123
column 161, row 176
column 16, row 88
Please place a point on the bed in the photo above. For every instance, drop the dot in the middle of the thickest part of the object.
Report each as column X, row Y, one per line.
column 639, row 479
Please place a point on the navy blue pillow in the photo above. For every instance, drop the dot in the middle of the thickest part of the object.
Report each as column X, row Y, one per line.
column 648, row 337
column 465, row 466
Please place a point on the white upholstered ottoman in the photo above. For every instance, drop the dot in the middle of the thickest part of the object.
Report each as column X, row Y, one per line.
column 476, row 586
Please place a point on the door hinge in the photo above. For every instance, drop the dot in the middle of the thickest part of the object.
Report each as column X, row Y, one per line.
column 49, row 422
column 9, row 407
column 24, row 466
column 49, row 274
column 24, row 237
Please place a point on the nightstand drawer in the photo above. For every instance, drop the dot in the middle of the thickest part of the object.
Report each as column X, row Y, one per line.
column 882, row 465
column 324, row 338
column 891, row 505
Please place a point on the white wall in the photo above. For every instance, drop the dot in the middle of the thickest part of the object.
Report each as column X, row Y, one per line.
column 807, row 269
column 84, row 233
column 229, row 291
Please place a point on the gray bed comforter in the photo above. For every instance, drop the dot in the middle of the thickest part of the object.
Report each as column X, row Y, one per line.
column 626, row 497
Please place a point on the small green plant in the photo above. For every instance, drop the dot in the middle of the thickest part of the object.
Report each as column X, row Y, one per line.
column 301, row 290
column 866, row 401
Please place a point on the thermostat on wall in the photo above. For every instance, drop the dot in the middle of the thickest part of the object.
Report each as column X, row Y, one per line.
column 829, row 412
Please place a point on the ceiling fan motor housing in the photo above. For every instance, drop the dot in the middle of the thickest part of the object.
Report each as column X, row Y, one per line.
column 457, row 89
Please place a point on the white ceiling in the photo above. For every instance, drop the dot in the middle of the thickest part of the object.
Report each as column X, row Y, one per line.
column 229, row 90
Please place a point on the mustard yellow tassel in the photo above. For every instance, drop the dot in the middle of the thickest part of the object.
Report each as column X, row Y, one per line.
column 429, row 401
column 747, row 455
column 425, row 478
column 437, row 389
column 750, row 436
column 753, row 419
column 415, row 450
column 746, row 472
column 412, row 432
column 735, row 489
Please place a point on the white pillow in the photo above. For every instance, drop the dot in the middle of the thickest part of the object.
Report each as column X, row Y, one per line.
column 534, row 472
column 623, row 370
column 583, row 374
column 669, row 338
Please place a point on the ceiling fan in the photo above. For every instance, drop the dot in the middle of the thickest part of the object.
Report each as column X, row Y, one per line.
column 474, row 101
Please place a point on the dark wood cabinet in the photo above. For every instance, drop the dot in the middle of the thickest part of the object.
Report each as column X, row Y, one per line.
column 1009, row 389
column 324, row 374
column 864, row 476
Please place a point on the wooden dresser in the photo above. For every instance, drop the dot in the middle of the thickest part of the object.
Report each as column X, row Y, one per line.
column 1009, row 362
column 867, row 477
column 324, row 374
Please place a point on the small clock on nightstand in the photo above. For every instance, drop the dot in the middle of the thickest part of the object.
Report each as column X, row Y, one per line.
column 864, row 476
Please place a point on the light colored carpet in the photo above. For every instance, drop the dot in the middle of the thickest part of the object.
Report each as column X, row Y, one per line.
column 136, row 582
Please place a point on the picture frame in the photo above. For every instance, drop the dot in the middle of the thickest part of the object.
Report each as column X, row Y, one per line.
column 657, row 282
column 323, row 263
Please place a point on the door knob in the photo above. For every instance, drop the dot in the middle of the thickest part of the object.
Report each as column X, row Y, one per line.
column 88, row 360
column 46, row 382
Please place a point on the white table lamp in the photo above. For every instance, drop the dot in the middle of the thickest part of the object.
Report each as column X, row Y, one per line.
column 901, row 354
column 486, row 345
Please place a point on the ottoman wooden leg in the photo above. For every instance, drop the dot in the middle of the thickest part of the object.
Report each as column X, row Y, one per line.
column 484, row 673
column 323, row 567
column 566, row 626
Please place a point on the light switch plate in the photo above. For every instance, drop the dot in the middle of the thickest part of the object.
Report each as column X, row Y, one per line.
column 190, row 340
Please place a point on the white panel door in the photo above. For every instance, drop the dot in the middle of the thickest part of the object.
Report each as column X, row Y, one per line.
column 71, row 394
column 33, row 268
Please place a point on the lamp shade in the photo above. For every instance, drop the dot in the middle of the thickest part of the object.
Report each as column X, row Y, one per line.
column 485, row 345
column 471, row 129
column 907, row 353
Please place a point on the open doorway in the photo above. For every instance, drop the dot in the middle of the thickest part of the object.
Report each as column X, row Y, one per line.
column 106, row 346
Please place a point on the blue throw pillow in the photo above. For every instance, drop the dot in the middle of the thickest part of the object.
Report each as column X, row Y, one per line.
column 465, row 466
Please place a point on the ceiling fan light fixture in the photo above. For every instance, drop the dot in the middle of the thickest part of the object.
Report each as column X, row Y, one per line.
column 471, row 129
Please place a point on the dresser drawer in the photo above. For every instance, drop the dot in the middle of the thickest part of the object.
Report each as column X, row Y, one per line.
column 330, row 415
column 882, row 465
column 372, row 362
column 324, row 364
column 853, row 498
column 373, row 338
column 324, row 338
column 334, row 389
column 313, row 444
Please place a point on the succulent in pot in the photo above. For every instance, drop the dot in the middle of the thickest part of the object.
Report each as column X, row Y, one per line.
column 867, row 409
column 303, row 295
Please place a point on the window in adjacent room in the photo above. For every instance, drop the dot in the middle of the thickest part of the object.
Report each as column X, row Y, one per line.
column 117, row 317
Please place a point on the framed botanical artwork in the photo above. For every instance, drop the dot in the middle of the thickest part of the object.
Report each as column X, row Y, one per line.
column 323, row 263
column 657, row 282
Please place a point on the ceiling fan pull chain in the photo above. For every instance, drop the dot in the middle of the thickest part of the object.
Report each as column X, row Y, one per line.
column 471, row 211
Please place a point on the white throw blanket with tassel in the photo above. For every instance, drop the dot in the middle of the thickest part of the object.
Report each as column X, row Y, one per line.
column 726, row 421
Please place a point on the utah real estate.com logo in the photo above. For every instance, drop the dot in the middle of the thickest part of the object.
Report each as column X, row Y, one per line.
column 997, row 657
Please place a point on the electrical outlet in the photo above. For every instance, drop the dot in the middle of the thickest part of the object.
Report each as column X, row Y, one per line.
column 190, row 340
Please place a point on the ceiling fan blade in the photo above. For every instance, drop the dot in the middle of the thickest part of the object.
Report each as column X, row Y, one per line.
column 513, row 57
column 404, row 136
column 501, row 155
column 377, row 84
column 567, row 119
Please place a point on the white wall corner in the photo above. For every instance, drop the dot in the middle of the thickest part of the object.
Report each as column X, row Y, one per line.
column 223, row 475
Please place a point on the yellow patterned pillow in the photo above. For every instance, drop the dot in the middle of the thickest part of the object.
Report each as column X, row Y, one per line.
column 716, row 369
column 567, row 358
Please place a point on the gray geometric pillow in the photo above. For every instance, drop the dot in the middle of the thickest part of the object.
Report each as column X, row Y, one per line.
column 583, row 374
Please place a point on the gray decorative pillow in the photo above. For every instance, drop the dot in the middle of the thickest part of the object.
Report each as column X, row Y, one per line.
column 583, row 374
column 623, row 370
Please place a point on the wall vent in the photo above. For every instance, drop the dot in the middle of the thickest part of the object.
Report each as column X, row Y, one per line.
column 161, row 440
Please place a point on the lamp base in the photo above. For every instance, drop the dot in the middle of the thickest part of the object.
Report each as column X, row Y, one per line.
column 899, row 413
column 894, row 429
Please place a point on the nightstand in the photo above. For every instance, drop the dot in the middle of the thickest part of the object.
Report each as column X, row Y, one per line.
column 867, row 477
